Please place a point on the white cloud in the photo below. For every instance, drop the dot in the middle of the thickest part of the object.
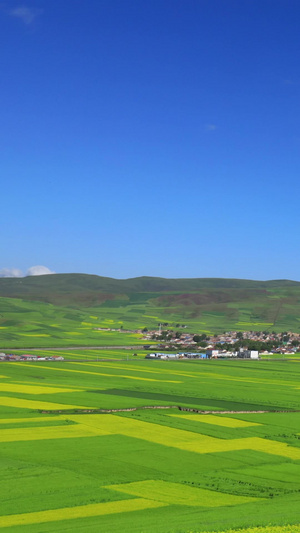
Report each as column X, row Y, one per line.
column 39, row 270
column 26, row 14
column 11, row 273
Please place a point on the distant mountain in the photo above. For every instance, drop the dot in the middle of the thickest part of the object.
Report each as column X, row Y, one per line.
column 208, row 303
column 85, row 288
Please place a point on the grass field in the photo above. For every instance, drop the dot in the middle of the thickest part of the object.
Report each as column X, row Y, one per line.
column 148, row 470
column 25, row 324
column 65, row 310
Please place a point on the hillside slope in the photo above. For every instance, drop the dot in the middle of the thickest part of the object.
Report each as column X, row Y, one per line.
column 83, row 289
column 203, row 304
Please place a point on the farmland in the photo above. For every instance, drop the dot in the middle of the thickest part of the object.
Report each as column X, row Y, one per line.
column 67, row 467
column 66, row 309
column 27, row 324
column 109, row 441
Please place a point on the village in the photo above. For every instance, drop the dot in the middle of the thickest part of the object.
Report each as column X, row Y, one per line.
column 228, row 344
column 163, row 343
column 28, row 357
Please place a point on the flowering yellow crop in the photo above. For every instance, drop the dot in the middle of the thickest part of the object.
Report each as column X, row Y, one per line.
column 32, row 389
column 217, row 420
column 32, row 419
column 180, row 494
column 50, row 432
column 184, row 440
column 34, row 334
column 102, row 373
column 33, row 404
column 69, row 513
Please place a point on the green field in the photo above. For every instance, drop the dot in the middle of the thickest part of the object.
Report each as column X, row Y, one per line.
column 25, row 324
column 29, row 324
column 65, row 468
column 63, row 310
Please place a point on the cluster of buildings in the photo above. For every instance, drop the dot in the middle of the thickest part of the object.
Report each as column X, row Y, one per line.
column 183, row 355
column 230, row 343
column 209, row 354
column 170, row 337
column 28, row 357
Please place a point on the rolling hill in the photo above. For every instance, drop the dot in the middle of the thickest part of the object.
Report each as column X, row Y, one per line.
column 66, row 309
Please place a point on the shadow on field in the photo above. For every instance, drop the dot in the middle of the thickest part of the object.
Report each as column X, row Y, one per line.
column 222, row 404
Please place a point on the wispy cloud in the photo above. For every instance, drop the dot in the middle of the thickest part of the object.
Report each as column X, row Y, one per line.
column 11, row 273
column 26, row 14
column 38, row 270
column 210, row 127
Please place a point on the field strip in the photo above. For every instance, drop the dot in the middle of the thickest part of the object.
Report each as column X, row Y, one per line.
column 295, row 528
column 182, row 439
column 34, row 404
column 103, row 374
column 33, row 389
column 33, row 334
column 180, row 494
column 199, row 376
column 33, row 419
column 100, row 364
column 51, row 432
column 83, row 511
column 126, row 367
column 225, row 377
column 60, row 352
column 69, row 388
column 217, row 420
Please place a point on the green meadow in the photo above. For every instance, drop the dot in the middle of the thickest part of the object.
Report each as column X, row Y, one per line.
column 108, row 441
column 66, row 468
column 64, row 310
column 32, row 324
column 25, row 324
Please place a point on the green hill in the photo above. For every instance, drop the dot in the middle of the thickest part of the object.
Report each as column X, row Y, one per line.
column 65, row 309
column 81, row 289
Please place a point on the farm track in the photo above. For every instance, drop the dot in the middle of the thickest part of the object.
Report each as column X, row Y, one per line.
column 117, row 346
column 179, row 407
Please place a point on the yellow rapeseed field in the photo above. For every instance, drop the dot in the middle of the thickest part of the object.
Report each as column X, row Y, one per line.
column 179, row 494
column 33, row 419
column 34, row 334
column 33, row 389
column 185, row 440
column 34, row 404
column 69, row 513
column 102, row 373
column 50, row 432
column 218, row 420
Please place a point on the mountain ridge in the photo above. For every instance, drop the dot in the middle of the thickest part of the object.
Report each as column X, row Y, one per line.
column 205, row 304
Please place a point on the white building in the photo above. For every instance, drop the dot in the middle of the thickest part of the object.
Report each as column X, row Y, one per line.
column 248, row 354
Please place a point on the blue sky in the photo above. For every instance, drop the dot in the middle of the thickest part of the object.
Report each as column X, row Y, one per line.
column 151, row 137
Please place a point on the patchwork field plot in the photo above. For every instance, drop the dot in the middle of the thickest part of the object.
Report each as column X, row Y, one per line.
column 218, row 420
column 181, row 494
column 66, row 467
